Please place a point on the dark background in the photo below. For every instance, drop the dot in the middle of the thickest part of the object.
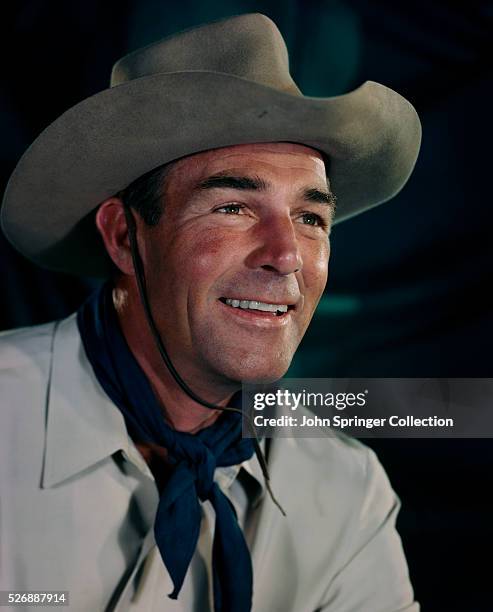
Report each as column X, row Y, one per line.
column 409, row 290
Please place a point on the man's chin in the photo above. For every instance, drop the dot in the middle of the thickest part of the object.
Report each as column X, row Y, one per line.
column 242, row 366
column 262, row 379
column 262, row 374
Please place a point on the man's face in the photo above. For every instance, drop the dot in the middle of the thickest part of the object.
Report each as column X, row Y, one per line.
column 244, row 224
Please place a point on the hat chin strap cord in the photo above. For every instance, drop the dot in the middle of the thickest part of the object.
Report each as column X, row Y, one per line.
column 140, row 277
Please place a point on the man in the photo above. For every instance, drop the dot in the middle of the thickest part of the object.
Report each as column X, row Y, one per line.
column 204, row 170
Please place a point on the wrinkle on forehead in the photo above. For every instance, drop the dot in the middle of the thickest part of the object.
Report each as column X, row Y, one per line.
column 280, row 155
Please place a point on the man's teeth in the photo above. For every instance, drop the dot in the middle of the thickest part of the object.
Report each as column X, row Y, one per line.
column 253, row 305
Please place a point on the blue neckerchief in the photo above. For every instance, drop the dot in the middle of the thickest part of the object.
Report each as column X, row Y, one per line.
column 194, row 457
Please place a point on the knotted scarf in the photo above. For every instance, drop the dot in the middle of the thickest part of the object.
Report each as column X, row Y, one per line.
column 193, row 457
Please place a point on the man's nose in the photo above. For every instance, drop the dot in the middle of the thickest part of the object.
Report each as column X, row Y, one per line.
column 277, row 247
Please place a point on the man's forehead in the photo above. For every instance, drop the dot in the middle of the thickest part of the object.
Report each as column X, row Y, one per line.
column 282, row 156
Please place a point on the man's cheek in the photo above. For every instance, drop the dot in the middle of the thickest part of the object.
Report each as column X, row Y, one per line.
column 316, row 277
column 210, row 253
column 322, row 267
column 316, row 258
column 188, row 254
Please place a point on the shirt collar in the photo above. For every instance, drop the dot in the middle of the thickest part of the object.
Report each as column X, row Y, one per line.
column 83, row 427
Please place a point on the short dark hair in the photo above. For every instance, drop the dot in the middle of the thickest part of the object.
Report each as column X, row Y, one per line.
column 146, row 194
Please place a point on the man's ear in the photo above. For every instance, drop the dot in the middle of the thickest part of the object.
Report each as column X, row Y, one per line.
column 112, row 225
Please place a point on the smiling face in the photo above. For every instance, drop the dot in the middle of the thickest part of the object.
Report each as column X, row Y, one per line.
column 238, row 262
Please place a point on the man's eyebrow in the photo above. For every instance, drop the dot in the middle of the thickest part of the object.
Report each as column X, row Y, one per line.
column 226, row 181
column 321, row 197
column 255, row 183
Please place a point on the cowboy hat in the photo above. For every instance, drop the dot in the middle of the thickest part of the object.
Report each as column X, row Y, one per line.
column 221, row 84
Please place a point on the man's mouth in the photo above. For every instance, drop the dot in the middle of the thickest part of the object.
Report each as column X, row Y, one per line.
column 267, row 307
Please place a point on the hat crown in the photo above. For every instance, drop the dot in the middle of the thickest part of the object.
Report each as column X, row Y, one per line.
column 248, row 46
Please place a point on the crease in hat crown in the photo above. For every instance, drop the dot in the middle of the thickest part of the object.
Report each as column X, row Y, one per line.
column 247, row 46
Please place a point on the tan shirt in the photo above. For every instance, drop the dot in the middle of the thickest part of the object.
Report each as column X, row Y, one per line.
column 77, row 503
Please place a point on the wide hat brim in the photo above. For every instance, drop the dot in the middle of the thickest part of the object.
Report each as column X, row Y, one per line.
column 371, row 137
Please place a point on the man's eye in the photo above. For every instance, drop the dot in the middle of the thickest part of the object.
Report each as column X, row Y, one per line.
column 230, row 209
column 312, row 219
